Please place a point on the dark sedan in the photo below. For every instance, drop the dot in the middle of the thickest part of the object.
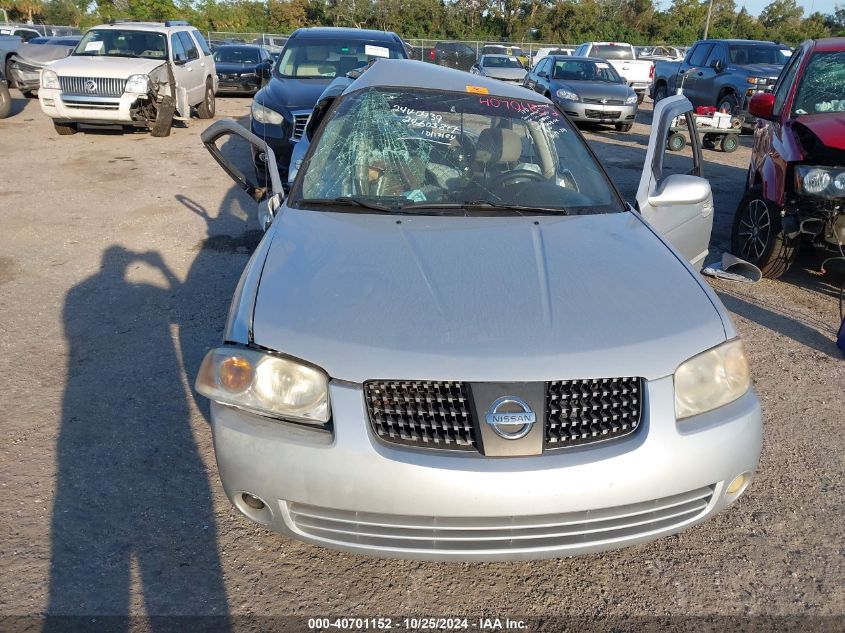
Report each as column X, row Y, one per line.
column 588, row 89
column 242, row 68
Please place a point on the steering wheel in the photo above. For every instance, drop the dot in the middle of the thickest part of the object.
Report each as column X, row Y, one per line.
column 519, row 175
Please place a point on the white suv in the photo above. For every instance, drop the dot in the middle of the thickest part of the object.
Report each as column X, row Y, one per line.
column 121, row 74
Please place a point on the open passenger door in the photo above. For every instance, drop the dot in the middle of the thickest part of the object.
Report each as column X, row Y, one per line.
column 679, row 205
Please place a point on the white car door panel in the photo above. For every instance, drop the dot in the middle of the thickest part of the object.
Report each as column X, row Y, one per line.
column 679, row 206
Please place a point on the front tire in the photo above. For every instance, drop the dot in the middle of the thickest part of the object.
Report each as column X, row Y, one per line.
column 205, row 110
column 5, row 102
column 8, row 71
column 728, row 104
column 640, row 97
column 661, row 92
column 758, row 237
column 65, row 129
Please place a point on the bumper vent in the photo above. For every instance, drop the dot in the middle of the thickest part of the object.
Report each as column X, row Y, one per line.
column 427, row 414
column 92, row 86
column 585, row 411
column 602, row 114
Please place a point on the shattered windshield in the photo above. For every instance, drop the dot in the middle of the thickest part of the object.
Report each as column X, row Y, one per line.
column 123, row 43
column 822, row 87
column 402, row 149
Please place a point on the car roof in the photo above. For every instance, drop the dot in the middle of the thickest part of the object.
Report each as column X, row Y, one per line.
column 502, row 55
column 578, row 58
column 769, row 42
column 145, row 26
column 830, row 44
column 406, row 73
column 328, row 32
column 236, row 45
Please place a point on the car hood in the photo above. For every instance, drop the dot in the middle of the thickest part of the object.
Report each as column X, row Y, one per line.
column 761, row 70
column 504, row 73
column 479, row 298
column 829, row 128
column 594, row 89
column 121, row 67
column 233, row 67
column 291, row 94
column 41, row 54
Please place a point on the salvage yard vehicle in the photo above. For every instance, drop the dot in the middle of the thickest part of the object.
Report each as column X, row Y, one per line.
column 501, row 67
column 588, row 90
column 242, row 68
column 132, row 74
column 30, row 59
column 311, row 59
column 425, row 356
column 722, row 73
column 635, row 72
column 796, row 180
column 8, row 46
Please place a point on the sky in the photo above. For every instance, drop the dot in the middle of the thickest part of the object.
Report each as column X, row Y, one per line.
column 822, row 6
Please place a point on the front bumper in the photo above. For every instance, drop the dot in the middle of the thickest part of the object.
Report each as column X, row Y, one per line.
column 639, row 86
column 598, row 113
column 349, row 491
column 26, row 79
column 249, row 85
column 83, row 109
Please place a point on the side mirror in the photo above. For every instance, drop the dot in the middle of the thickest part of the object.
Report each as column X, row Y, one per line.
column 543, row 74
column 762, row 105
column 716, row 65
column 680, row 190
column 179, row 60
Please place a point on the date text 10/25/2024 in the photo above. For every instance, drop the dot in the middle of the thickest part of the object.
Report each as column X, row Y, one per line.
column 416, row 624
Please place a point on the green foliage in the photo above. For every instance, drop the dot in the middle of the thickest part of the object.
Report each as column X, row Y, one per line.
column 562, row 21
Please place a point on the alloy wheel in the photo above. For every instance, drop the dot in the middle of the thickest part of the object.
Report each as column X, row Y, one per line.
column 755, row 228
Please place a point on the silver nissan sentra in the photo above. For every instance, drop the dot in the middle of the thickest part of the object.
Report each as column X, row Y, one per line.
column 456, row 340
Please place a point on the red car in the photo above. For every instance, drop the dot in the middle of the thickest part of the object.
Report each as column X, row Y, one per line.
column 796, row 181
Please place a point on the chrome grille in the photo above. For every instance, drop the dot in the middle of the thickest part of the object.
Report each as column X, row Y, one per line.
column 603, row 101
column 92, row 86
column 421, row 413
column 492, row 535
column 593, row 410
column 299, row 121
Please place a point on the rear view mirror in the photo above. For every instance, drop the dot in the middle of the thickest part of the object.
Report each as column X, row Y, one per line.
column 762, row 105
column 680, row 190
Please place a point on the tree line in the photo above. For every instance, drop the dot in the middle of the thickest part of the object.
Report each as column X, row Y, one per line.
column 559, row 21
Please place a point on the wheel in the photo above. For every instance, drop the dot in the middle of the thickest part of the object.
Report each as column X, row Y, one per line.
column 205, row 110
column 65, row 129
column 661, row 92
column 623, row 127
column 5, row 101
column 729, row 143
column 728, row 104
column 8, row 73
column 757, row 236
column 676, row 142
column 640, row 97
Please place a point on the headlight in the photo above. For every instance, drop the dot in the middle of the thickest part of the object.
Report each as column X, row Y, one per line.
column 631, row 100
column 265, row 384
column 266, row 115
column 823, row 182
column 567, row 95
column 711, row 379
column 49, row 79
column 137, row 83
column 758, row 80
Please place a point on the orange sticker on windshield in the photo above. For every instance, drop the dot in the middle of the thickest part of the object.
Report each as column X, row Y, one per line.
column 479, row 90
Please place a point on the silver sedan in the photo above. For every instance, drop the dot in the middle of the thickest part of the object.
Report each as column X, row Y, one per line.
column 457, row 341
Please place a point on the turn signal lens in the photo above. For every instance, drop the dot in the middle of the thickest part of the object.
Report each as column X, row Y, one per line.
column 235, row 374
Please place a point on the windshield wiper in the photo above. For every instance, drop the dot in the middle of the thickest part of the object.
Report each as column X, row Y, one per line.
column 483, row 205
column 347, row 201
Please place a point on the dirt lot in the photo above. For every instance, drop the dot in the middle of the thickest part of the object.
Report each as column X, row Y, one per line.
column 118, row 257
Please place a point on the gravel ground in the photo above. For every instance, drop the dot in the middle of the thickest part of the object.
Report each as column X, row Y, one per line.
column 118, row 257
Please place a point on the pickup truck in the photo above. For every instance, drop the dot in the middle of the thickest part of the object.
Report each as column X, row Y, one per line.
column 636, row 73
column 722, row 73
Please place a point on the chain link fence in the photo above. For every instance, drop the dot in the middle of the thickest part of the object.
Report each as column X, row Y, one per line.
column 454, row 53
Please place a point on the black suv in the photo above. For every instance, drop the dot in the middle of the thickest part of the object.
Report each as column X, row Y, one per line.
column 310, row 60
column 452, row 54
